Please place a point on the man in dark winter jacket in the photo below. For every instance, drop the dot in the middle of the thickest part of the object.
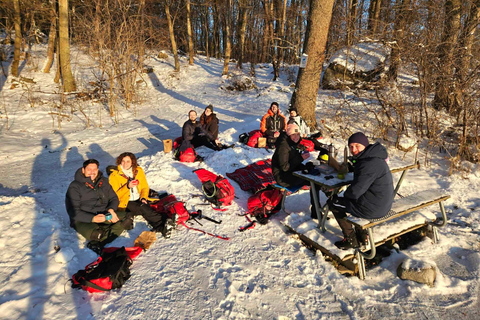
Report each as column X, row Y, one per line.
column 273, row 123
column 194, row 135
column 370, row 195
column 91, row 205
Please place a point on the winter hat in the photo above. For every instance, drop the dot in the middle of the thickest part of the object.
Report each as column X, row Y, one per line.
column 209, row 107
column 292, row 128
column 358, row 138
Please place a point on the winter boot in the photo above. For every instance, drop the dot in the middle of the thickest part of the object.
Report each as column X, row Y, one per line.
column 95, row 246
column 168, row 228
column 348, row 242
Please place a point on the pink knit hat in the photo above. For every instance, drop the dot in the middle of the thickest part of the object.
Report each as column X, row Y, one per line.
column 292, row 128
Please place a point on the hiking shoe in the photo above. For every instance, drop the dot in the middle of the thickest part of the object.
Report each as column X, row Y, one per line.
column 362, row 236
column 261, row 218
column 95, row 246
column 349, row 242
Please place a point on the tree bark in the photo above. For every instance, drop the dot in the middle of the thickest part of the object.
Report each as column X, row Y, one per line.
column 172, row 36
column 308, row 80
column 64, row 42
column 352, row 17
column 228, row 42
column 52, row 37
column 446, row 53
column 241, row 32
column 18, row 38
column 189, row 33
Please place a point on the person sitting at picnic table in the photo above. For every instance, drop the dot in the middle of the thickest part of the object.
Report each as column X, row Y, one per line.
column 288, row 158
column 370, row 195
column 130, row 184
column 273, row 123
column 305, row 130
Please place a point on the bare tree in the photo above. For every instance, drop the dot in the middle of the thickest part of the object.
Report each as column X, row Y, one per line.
column 172, row 35
column 189, row 33
column 243, row 11
column 52, row 37
column 64, row 46
column 18, row 38
column 228, row 42
column 308, row 79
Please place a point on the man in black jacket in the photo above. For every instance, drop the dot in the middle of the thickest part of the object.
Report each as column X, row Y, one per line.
column 91, row 205
column 370, row 195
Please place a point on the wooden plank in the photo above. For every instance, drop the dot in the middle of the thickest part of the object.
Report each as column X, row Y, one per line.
column 399, row 214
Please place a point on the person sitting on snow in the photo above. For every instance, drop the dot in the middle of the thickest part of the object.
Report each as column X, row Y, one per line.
column 130, row 184
column 305, row 130
column 370, row 195
column 92, row 206
column 209, row 123
column 273, row 123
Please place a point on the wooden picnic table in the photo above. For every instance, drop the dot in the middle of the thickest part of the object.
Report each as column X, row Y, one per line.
column 331, row 185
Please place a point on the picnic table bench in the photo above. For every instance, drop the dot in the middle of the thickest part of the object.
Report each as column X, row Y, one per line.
column 400, row 207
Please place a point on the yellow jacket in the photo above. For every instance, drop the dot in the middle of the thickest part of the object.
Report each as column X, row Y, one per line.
column 119, row 182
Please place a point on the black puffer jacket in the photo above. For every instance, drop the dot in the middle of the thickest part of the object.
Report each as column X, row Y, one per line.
column 371, row 193
column 210, row 125
column 85, row 199
column 286, row 159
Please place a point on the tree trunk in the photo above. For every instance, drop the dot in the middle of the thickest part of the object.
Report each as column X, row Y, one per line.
column 52, row 37
column 403, row 11
column 64, row 42
column 207, row 33
column 18, row 38
column 189, row 33
column 281, row 31
column 241, row 32
column 308, row 80
column 228, row 42
column 352, row 17
column 443, row 83
column 172, row 36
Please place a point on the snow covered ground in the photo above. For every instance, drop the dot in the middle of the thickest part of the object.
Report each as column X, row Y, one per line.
column 264, row 273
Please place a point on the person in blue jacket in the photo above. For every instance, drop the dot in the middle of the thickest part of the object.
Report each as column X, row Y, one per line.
column 370, row 195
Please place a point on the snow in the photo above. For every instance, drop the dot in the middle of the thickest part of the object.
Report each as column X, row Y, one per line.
column 361, row 57
column 263, row 273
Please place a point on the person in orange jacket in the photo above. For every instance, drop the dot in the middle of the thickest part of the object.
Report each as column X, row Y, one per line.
column 130, row 185
column 273, row 123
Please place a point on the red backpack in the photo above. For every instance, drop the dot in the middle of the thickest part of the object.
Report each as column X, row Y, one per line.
column 188, row 155
column 263, row 203
column 216, row 188
column 253, row 138
column 109, row 271
column 177, row 142
column 308, row 144
column 171, row 206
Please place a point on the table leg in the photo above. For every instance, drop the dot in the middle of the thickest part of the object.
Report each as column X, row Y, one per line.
column 317, row 203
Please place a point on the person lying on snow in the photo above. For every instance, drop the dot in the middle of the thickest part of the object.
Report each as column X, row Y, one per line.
column 273, row 123
column 289, row 157
column 305, row 130
column 130, row 184
column 92, row 205
column 370, row 195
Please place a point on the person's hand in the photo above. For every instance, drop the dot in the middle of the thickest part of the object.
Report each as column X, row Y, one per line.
column 99, row 218
column 276, row 134
column 144, row 201
column 306, row 155
column 217, row 141
column 114, row 217
column 132, row 184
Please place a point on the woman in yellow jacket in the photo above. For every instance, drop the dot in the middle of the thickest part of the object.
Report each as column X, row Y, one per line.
column 130, row 185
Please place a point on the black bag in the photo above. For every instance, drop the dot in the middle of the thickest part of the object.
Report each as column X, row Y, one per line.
column 109, row 271
column 243, row 138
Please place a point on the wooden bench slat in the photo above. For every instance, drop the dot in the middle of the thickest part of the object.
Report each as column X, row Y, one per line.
column 403, row 206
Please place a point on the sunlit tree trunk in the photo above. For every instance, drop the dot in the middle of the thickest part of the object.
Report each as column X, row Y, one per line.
column 18, row 38
column 172, row 36
column 52, row 37
column 241, row 32
column 228, row 42
column 189, row 33
column 64, row 42
column 308, row 79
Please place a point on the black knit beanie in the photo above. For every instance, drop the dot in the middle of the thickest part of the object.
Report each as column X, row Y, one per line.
column 358, row 138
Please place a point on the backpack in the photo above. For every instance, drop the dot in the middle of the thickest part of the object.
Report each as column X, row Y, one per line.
column 264, row 203
column 109, row 271
column 189, row 155
column 171, row 206
column 216, row 188
column 177, row 142
column 243, row 138
column 253, row 138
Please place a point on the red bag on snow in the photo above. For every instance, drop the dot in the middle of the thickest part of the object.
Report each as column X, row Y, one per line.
column 263, row 203
column 171, row 206
column 216, row 188
column 188, row 155
column 308, row 144
column 109, row 271
column 253, row 138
